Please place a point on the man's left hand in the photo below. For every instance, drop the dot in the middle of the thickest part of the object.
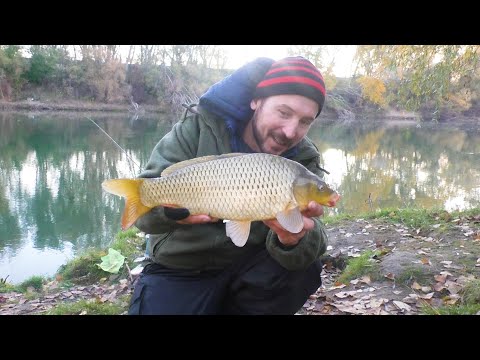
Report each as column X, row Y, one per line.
column 289, row 239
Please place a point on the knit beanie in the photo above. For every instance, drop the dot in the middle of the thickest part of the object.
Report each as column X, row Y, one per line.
column 293, row 75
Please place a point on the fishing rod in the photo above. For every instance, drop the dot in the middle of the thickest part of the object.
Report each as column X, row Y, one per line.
column 125, row 152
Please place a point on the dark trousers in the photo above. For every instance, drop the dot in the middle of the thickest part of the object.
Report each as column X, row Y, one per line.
column 255, row 285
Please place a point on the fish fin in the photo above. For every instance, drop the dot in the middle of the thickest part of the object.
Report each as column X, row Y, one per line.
column 238, row 231
column 182, row 164
column 291, row 220
column 130, row 190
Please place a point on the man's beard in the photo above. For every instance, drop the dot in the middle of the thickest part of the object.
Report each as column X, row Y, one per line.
column 278, row 138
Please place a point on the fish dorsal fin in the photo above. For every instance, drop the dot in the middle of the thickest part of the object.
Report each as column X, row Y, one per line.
column 182, row 164
column 238, row 231
column 291, row 220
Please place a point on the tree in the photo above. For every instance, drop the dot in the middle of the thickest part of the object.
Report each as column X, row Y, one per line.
column 419, row 75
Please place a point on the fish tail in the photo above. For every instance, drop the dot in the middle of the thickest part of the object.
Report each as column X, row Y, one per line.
column 130, row 190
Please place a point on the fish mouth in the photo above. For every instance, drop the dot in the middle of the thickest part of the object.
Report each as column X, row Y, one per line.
column 333, row 200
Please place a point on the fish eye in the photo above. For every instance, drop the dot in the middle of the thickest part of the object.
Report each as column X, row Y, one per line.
column 320, row 186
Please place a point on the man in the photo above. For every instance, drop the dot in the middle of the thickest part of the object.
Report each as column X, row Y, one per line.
column 264, row 106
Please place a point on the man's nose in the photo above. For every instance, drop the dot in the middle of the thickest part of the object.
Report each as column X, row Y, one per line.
column 290, row 131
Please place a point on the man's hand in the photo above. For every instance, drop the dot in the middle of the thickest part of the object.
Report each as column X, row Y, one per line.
column 182, row 216
column 197, row 219
column 289, row 239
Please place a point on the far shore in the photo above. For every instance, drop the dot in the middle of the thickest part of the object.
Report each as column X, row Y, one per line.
column 390, row 115
column 73, row 105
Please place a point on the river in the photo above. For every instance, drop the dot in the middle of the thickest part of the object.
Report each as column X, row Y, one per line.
column 52, row 206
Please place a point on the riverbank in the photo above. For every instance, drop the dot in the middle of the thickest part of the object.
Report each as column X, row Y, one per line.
column 389, row 262
column 73, row 105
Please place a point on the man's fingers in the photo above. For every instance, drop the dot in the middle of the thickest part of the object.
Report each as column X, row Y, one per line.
column 313, row 210
column 197, row 219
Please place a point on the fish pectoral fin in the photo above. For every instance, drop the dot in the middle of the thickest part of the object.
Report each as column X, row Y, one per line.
column 238, row 231
column 291, row 220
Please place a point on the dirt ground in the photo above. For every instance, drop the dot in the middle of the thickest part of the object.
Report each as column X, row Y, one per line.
column 410, row 269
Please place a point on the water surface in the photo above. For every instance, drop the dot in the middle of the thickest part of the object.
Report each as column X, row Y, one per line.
column 52, row 206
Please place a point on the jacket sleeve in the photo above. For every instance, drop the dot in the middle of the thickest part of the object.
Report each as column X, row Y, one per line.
column 179, row 144
column 308, row 249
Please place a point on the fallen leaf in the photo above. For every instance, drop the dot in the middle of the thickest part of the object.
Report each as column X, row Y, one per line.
column 425, row 261
column 402, row 306
column 426, row 289
column 427, row 296
column 416, row 286
column 112, row 262
column 366, row 279
column 390, row 276
column 453, row 287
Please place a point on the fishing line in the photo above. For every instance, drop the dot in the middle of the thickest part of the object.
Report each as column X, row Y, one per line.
column 126, row 154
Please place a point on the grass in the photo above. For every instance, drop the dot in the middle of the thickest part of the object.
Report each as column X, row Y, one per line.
column 451, row 310
column 360, row 266
column 470, row 302
column 83, row 270
column 35, row 282
column 88, row 308
column 471, row 292
column 6, row 287
column 128, row 243
column 414, row 273
column 412, row 217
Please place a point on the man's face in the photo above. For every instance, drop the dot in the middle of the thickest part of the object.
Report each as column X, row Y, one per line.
column 280, row 122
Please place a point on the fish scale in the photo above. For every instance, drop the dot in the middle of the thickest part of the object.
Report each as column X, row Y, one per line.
column 255, row 186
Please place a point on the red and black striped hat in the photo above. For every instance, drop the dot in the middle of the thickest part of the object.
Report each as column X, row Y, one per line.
column 293, row 75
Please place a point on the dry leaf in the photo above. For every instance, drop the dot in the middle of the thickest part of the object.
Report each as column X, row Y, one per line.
column 425, row 261
column 366, row 279
column 390, row 276
column 427, row 296
column 402, row 306
column 416, row 286
column 453, row 287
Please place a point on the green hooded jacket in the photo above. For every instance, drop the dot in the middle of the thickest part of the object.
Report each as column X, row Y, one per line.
column 206, row 246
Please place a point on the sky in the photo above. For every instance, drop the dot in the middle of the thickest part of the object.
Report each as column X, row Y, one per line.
column 238, row 55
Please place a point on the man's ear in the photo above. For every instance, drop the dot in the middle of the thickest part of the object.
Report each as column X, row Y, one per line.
column 254, row 104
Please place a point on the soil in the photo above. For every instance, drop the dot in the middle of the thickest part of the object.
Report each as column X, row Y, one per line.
column 410, row 269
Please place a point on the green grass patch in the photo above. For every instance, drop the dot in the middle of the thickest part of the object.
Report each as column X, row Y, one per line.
column 415, row 273
column 6, row 287
column 35, row 282
column 128, row 243
column 451, row 310
column 83, row 269
column 412, row 217
column 337, row 219
column 360, row 266
column 87, row 308
column 471, row 293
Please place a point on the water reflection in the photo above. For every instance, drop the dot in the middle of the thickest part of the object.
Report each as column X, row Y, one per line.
column 396, row 166
column 50, row 184
column 52, row 205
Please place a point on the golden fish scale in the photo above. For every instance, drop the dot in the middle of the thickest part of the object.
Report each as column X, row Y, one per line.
column 251, row 187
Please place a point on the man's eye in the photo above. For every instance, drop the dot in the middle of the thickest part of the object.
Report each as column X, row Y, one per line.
column 282, row 113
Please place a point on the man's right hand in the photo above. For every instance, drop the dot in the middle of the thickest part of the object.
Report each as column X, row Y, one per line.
column 182, row 216
column 197, row 219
